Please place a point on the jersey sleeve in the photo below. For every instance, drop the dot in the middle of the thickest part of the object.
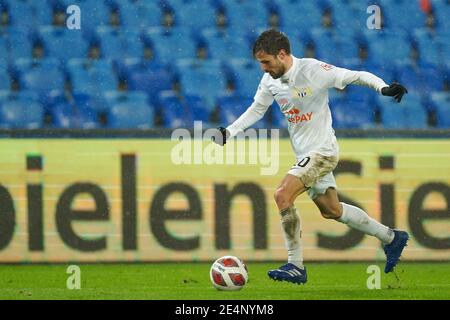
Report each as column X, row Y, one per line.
column 328, row 76
column 263, row 95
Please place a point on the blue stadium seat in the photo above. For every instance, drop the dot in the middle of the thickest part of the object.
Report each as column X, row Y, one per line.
column 409, row 114
column 114, row 97
column 19, row 44
column 146, row 76
column 41, row 76
column 19, row 113
column 90, row 101
column 304, row 14
column 130, row 115
column 92, row 76
column 405, row 15
column 3, row 52
column 173, row 44
column 150, row 14
column 195, row 15
column 226, row 45
column 70, row 116
column 326, row 48
column 247, row 74
column 175, row 112
column 199, row 109
column 440, row 10
column 389, row 48
column 246, row 14
column 207, row 82
column 5, row 82
column 428, row 49
column 20, row 14
column 352, row 112
column 63, row 44
column 116, row 44
column 42, row 13
column 343, row 15
column 441, row 101
column 348, row 48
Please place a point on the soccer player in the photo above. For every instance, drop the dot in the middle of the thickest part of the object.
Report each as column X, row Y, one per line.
column 300, row 87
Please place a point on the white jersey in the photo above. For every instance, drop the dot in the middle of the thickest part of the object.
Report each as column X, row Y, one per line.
column 302, row 95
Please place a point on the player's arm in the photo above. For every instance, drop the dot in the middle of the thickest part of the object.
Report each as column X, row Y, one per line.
column 252, row 115
column 331, row 76
column 263, row 99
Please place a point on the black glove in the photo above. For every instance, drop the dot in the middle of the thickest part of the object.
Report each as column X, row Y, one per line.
column 221, row 137
column 395, row 90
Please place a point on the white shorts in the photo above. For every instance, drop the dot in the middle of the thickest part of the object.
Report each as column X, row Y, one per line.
column 316, row 172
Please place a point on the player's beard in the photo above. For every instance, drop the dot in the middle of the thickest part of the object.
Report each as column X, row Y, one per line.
column 281, row 69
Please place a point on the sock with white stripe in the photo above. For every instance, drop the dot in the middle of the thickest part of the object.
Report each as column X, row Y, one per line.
column 357, row 219
column 290, row 225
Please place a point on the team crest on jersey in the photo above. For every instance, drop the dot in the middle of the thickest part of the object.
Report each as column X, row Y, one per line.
column 302, row 92
column 295, row 115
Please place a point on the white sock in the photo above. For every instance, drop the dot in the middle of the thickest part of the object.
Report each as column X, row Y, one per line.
column 357, row 219
column 290, row 225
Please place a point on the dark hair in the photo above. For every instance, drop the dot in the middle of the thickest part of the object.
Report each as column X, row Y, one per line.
column 271, row 42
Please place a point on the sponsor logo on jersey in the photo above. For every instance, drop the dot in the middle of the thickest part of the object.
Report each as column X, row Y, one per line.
column 295, row 116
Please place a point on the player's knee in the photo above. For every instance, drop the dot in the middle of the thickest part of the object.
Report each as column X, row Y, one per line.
column 281, row 197
column 334, row 212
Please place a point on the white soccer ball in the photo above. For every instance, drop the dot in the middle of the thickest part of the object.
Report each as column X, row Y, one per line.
column 228, row 273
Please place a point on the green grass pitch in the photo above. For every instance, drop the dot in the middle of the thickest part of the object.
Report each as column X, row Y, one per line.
column 190, row 281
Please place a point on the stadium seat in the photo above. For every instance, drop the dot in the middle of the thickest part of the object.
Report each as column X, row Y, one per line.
column 246, row 74
column 5, row 82
column 41, row 76
column 19, row 44
column 205, row 82
column 409, row 114
column 146, row 76
column 63, row 44
column 226, row 45
column 303, row 14
column 389, row 48
column 92, row 76
column 17, row 113
column 130, row 115
column 172, row 44
column 203, row 11
column 90, row 101
column 20, row 14
column 116, row 44
column 441, row 101
column 114, row 97
column 428, row 49
column 246, row 14
column 352, row 113
column 176, row 113
column 325, row 46
column 70, row 116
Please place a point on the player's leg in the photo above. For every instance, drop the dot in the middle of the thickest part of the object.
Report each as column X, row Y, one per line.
column 330, row 208
column 326, row 199
column 304, row 173
column 285, row 195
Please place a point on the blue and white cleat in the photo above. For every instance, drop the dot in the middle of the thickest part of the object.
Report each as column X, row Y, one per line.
column 394, row 249
column 290, row 273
